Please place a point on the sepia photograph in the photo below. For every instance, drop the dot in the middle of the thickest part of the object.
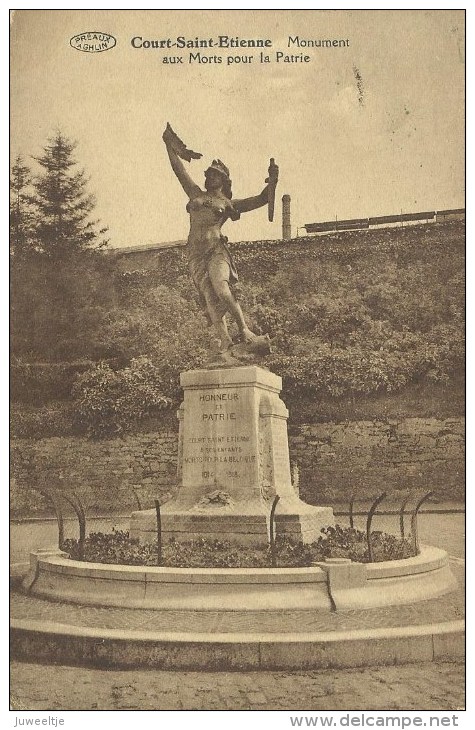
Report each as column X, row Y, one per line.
column 237, row 365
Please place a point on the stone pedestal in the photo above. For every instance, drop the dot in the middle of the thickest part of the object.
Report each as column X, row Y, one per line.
column 233, row 459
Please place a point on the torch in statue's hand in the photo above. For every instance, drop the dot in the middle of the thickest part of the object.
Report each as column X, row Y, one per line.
column 271, row 180
column 173, row 141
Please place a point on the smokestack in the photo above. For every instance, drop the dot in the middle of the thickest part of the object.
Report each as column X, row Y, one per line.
column 286, row 231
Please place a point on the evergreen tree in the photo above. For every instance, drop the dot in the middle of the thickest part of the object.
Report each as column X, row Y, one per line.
column 22, row 211
column 62, row 290
column 64, row 205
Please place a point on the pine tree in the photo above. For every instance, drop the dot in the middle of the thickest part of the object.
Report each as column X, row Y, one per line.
column 62, row 289
column 64, row 205
column 22, row 210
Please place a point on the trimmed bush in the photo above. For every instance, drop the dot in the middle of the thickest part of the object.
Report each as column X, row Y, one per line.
column 109, row 402
column 52, row 419
column 36, row 383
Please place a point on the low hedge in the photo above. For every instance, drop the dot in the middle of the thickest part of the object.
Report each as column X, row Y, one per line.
column 36, row 422
column 36, row 383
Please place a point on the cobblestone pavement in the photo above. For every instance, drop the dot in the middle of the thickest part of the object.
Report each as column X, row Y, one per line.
column 445, row 608
column 432, row 686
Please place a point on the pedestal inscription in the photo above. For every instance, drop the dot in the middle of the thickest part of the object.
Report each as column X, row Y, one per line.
column 233, row 460
column 221, row 452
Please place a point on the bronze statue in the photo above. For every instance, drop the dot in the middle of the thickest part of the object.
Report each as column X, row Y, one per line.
column 210, row 261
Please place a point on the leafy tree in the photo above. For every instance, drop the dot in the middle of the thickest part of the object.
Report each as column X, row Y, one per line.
column 64, row 205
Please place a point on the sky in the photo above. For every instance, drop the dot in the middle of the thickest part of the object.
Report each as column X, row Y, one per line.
column 372, row 128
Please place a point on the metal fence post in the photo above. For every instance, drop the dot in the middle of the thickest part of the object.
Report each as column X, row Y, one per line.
column 402, row 513
column 371, row 512
column 159, row 532
column 52, row 496
column 352, row 502
column 137, row 498
column 272, row 531
column 414, row 526
column 76, row 504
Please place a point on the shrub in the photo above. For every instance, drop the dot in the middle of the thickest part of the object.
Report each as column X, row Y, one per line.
column 115, row 548
column 161, row 325
column 351, row 314
column 118, row 548
column 347, row 542
column 108, row 402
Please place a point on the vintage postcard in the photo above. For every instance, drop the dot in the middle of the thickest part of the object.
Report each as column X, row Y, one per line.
column 237, row 261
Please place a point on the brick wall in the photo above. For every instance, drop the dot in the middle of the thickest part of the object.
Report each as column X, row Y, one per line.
column 334, row 460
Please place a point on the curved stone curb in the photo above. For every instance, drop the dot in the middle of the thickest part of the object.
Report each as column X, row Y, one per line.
column 336, row 583
column 44, row 641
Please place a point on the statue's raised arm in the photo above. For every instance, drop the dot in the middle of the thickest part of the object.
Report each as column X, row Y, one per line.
column 177, row 149
column 210, row 261
column 266, row 197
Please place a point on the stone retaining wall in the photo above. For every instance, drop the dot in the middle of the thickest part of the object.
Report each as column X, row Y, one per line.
column 336, row 460
column 105, row 473
column 333, row 460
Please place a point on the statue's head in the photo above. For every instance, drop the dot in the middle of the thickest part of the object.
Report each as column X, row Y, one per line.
column 217, row 177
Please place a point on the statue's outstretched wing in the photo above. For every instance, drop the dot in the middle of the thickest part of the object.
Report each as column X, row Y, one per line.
column 171, row 138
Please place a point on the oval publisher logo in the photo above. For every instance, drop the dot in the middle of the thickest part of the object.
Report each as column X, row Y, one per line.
column 93, row 41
